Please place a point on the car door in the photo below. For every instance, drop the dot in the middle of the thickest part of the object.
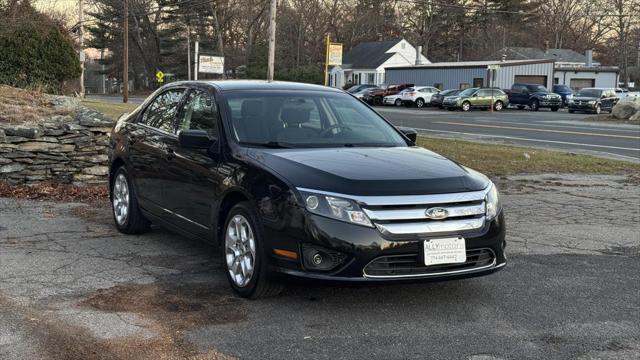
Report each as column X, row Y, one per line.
column 193, row 174
column 480, row 98
column 147, row 147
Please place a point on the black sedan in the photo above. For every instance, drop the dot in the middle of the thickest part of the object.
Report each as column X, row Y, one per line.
column 436, row 99
column 300, row 180
column 593, row 100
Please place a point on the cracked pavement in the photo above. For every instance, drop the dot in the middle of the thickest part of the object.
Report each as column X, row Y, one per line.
column 72, row 287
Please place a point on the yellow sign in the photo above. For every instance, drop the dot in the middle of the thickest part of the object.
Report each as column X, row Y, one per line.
column 160, row 76
column 335, row 54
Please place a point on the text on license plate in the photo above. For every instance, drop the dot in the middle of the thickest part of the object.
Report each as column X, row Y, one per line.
column 445, row 251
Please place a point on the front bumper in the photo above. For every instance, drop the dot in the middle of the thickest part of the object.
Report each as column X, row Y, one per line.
column 364, row 246
column 582, row 107
column 550, row 103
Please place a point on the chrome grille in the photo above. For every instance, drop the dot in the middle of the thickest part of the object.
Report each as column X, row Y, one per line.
column 406, row 215
column 412, row 265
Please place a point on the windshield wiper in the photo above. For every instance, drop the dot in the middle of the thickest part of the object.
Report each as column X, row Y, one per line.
column 270, row 144
column 367, row 145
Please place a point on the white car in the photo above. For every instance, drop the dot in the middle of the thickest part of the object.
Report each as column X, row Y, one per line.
column 420, row 96
column 396, row 99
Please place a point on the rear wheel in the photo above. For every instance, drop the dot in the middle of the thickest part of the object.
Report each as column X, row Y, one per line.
column 466, row 106
column 571, row 111
column 554, row 108
column 246, row 256
column 498, row 106
column 377, row 100
column 520, row 107
column 419, row 103
column 534, row 105
column 124, row 203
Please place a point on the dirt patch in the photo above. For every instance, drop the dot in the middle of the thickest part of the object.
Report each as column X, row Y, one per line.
column 57, row 192
column 94, row 214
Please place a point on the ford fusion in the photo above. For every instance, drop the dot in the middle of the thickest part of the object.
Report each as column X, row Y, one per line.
column 297, row 180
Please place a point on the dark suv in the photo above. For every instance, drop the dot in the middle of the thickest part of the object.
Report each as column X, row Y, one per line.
column 300, row 180
column 593, row 100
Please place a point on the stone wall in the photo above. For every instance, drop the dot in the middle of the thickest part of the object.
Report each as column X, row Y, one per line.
column 63, row 148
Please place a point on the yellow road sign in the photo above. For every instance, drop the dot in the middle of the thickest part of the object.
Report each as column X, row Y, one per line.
column 159, row 76
column 335, row 54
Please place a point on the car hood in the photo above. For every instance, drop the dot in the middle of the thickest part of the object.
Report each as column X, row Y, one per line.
column 544, row 93
column 370, row 171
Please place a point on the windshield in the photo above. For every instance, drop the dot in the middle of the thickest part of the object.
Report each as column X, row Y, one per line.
column 563, row 88
column 589, row 93
column 468, row 92
column 295, row 119
column 537, row 88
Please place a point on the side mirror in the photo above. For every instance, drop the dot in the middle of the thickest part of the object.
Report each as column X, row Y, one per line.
column 194, row 139
column 410, row 133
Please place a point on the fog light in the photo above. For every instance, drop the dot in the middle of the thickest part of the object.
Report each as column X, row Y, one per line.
column 320, row 259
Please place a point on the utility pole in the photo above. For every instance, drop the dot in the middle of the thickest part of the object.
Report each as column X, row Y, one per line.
column 125, row 54
column 272, row 40
column 188, row 52
column 81, row 54
column 196, row 60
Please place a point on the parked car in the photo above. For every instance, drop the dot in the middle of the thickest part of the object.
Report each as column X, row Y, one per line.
column 534, row 96
column 375, row 97
column 419, row 96
column 303, row 181
column 594, row 100
column 396, row 99
column 477, row 98
column 436, row 99
column 565, row 93
column 364, row 92
column 357, row 88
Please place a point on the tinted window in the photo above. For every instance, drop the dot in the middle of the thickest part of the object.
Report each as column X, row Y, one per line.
column 199, row 113
column 161, row 113
column 562, row 88
column 307, row 119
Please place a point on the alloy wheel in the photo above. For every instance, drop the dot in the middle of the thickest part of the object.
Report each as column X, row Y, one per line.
column 598, row 109
column 240, row 250
column 419, row 103
column 398, row 102
column 498, row 106
column 466, row 106
column 120, row 199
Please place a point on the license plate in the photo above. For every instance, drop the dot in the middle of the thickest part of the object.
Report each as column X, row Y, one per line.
column 445, row 251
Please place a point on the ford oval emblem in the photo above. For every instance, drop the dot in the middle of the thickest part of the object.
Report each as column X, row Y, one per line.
column 436, row 213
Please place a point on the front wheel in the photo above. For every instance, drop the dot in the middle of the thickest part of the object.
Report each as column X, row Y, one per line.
column 520, row 107
column 466, row 106
column 124, row 203
column 398, row 102
column 534, row 105
column 597, row 110
column 419, row 103
column 377, row 100
column 554, row 108
column 498, row 106
column 571, row 111
column 246, row 256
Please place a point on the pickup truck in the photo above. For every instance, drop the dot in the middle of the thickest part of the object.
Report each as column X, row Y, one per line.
column 534, row 96
column 376, row 97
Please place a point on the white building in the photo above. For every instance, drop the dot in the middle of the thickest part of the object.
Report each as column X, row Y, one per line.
column 366, row 62
column 573, row 69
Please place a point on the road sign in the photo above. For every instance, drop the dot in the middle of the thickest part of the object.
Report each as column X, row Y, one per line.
column 211, row 64
column 159, row 76
column 335, row 54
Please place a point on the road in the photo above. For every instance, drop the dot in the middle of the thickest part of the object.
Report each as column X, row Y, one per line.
column 542, row 129
column 72, row 287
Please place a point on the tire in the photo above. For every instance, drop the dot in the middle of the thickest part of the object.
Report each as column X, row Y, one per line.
column 466, row 106
column 597, row 110
column 498, row 106
column 534, row 105
column 440, row 107
column 419, row 103
column 554, row 108
column 571, row 111
column 520, row 107
column 259, row 283
column 398, row 102
column 124, row 205
column 377, row 100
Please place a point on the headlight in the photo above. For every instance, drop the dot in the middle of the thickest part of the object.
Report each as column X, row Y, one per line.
column 592, row 102
column 336, row 208
column 492, row 201
column 570, row 101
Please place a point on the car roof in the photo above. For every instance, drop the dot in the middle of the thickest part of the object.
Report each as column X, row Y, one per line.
column 231, row 85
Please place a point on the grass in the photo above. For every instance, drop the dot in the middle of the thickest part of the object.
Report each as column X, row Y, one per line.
column 111, row 110
column 19, row 106
column 501, row 160
column 610, row 118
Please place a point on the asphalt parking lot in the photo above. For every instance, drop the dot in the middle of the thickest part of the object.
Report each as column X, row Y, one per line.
column 72, row 287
